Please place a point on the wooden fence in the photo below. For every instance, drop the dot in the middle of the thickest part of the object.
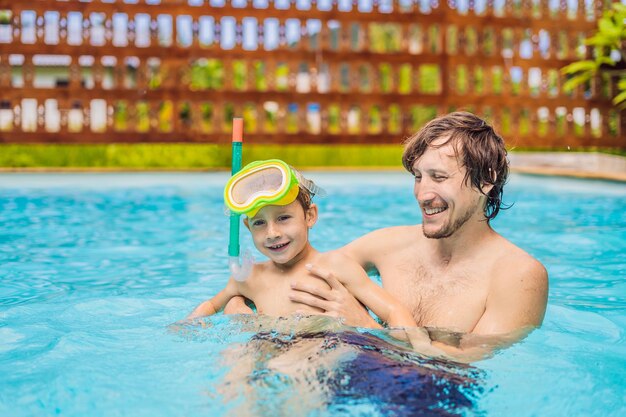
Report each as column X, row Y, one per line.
column 334, row 71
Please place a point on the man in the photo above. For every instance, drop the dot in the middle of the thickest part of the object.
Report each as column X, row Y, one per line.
column 453, row 271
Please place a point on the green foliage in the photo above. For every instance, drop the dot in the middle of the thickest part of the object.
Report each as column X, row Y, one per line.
column 193, row 156
column 185, row 113
column 210, row 156
column 239, row 75
column 405, row 76
column 260, row 80
column 384, row 71
column 334, row 119
column 430, row 79
column 384, row 37
column 143, row 117
column 206, row 74
column 303, row 156
column 609, row 46
column 120, row 116
column 5, row 17
column 118, row 156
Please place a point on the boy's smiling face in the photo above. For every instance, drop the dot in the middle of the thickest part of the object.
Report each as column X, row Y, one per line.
column 282, row 232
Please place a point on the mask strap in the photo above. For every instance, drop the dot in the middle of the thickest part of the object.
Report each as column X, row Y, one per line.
column 313, row 188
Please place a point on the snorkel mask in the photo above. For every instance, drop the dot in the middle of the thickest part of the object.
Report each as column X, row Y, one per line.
column 264, row 183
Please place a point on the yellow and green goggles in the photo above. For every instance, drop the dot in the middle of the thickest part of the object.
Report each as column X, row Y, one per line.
column 259, row 184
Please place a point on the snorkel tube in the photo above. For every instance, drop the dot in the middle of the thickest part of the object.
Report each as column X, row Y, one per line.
column 239, row 271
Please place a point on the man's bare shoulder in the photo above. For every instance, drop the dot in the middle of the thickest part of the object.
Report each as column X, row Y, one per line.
column 518, row 290
column 372, row 248
column 396, row 235
column 395, row 231
column 345, row 268
column 516, row 258
column 336, row 260
column 515, row 268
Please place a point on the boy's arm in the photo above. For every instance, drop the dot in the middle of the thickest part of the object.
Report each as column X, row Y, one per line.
column 237, row 305
column 216, row 303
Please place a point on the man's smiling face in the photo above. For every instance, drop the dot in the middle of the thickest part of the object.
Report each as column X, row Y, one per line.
column 447, row 202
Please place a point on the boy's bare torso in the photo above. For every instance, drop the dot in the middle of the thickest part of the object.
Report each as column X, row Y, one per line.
column 269, row 287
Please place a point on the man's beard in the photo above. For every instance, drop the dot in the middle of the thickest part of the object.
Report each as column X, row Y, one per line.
column 449, row 230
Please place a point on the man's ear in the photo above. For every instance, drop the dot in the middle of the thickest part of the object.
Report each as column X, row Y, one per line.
column 486, row 188
column 246, row 223
column 311, row 215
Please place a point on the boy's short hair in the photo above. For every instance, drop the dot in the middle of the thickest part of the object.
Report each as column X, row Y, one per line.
column 304, row 197
column 478, row 148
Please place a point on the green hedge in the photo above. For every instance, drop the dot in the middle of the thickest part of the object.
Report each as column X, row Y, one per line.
column 207, row 156
column 193, row 156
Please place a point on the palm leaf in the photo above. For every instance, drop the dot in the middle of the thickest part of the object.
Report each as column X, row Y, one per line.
column 608, row 28
column 574, row 82
column 605, row 60
column 621, row 97
column 586, row 65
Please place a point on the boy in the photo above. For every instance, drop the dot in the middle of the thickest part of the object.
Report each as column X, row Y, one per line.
column 277, row 202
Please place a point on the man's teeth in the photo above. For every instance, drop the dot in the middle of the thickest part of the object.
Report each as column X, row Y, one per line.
column 434, row 210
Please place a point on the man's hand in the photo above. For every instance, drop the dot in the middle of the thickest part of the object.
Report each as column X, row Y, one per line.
column 237, row 305
column 336, row 302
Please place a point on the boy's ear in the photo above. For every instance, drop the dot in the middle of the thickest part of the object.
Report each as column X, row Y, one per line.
column 245, row 222
column 311, row 215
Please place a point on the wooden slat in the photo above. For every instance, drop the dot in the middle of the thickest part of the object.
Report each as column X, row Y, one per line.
column 145, row 90
column 414, row 98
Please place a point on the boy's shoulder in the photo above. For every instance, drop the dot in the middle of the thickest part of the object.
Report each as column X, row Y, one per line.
column 259, row 272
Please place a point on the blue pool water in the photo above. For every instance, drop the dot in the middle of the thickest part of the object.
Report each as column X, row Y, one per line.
column 94, row 267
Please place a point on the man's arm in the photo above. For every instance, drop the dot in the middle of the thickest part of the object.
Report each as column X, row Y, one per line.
column 368, row 247
column 385, row 307
column 353, row 277
column 516, row 304
column 338, row 301
column 216, row 303
column 335, row 302
column 517, row 299
column 374, row 297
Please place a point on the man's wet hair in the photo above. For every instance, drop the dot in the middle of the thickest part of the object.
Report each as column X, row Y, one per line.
column 477, row 146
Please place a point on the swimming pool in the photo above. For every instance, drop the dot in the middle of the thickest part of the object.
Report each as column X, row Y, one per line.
column 94, row 267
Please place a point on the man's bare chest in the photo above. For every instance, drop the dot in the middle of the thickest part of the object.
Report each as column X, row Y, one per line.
column 452, row 298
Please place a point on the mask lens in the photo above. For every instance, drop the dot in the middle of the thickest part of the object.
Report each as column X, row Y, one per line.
column 265, row 182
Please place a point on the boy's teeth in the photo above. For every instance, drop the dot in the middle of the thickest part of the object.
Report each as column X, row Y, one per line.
column 278, row 246
column 434, row 210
